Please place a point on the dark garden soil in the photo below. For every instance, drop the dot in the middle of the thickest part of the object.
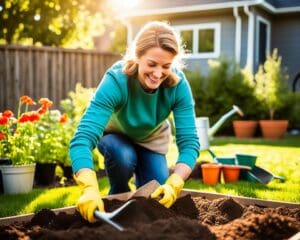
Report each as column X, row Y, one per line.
column 188, row 218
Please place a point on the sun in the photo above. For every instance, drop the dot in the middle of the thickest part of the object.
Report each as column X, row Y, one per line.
column 124, row 4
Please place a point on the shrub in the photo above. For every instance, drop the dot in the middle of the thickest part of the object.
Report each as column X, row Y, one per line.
column 75, row 106
column 225, row 85
column 291, row 110
column 271, row 84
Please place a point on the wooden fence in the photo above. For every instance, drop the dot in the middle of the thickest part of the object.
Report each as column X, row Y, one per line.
column 48, row 72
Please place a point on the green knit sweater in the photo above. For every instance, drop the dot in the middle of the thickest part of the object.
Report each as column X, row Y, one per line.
column 122, row 102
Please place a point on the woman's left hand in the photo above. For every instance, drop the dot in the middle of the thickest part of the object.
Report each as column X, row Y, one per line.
column 169, row 191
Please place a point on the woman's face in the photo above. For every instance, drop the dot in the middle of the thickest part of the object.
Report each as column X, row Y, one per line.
column 154, row 67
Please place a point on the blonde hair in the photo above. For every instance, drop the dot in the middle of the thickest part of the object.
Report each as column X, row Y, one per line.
column 154, row 34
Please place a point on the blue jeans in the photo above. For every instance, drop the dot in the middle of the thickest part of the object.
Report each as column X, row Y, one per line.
column 123, row 158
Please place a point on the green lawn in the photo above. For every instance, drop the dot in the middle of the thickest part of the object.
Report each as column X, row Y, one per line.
column 281, row 157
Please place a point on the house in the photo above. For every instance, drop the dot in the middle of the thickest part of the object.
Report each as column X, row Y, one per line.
column 244, row 30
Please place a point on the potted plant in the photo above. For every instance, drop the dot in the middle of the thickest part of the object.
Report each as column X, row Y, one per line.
column 49, row 145
column 246, row 126
column 65, row 130
column 17, row 143
column 272, row 91
column 74, row 106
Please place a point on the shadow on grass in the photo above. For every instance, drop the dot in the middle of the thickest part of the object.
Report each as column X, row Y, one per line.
column 288, row 141
column 15, row 203
column 55, row 202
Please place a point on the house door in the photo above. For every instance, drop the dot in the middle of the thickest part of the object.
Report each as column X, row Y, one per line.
column 263, row 40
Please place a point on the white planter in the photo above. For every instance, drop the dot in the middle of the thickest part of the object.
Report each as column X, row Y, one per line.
column 17, row 178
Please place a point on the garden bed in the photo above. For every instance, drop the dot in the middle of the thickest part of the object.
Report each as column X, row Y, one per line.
column 192, row 217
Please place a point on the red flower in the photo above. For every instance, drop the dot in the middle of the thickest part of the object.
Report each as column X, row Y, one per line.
column 3, row 119
column 45, row 102
column 2, row 136
column 42, row 110
column 24, row 118
column 8, row 114
column 34, row 116
column 27, row 100
column 63, row 118
column 29, row 117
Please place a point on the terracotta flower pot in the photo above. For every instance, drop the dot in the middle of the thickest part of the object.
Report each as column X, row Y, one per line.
column 231, row 173
column 244, row 128
column 273, row 129
column 211, row 173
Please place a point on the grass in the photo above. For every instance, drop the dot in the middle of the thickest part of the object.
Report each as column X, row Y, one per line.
column 281, row 157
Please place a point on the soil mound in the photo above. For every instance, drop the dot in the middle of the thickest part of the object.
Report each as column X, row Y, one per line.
column 188, row 218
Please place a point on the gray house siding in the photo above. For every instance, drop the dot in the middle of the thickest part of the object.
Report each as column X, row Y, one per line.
column 281, row 16
column 227, row 38
column 286, row 37
column 227, row 21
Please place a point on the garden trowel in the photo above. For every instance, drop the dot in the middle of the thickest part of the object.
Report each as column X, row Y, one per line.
column 144, row 191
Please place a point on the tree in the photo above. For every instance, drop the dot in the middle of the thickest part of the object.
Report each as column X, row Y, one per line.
column 66, row 23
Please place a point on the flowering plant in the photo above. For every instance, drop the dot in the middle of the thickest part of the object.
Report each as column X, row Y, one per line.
column 50, row 134
column 17, row 135
column 65, row 130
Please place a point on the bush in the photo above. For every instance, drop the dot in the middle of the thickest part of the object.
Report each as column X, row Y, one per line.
column 271, row 86
column 291, row 110
column 75, row 107
column 225, row 85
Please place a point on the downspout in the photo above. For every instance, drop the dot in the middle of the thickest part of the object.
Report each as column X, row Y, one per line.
column 238, row 34
column 250, row 42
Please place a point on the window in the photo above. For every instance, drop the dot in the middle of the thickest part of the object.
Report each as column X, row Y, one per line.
column 187, row 38
column 262, row 39
column 200, row 40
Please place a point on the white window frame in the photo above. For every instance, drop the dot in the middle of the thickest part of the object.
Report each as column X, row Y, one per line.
column 268, row 24
column 216, row 26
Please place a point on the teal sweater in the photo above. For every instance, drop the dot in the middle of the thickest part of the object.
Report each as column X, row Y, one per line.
column 137, row 114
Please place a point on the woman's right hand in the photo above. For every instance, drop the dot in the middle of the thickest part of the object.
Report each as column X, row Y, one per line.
column 90, row 199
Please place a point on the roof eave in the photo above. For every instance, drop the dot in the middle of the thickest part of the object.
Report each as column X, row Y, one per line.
column 214, row 6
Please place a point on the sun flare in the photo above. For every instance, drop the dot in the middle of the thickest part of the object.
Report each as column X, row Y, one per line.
column 124, row 4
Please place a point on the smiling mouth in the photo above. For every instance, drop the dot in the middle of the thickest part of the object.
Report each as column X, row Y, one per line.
column 155, row 81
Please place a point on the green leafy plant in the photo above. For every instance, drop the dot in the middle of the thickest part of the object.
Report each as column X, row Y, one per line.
column 226, row 84
column 75, row 106
column 271, row 84
column 65, row 130
column 18, row 135
column 49, row 140
column 77, row 102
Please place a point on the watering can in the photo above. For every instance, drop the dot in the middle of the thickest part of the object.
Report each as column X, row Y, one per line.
column 205, row 133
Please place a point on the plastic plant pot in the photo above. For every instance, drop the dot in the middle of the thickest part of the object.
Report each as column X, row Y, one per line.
column 211, row 173
column 231, row 173
column 245, row 160
column 226, row 160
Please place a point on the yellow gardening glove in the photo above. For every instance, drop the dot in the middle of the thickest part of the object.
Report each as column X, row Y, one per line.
column 169, row 191
column 90, row 198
